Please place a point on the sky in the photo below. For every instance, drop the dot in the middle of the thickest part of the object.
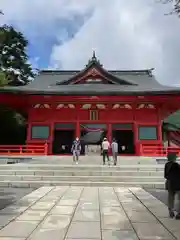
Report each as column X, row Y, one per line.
column 126, row 34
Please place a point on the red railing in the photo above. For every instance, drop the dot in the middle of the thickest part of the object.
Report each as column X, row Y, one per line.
column 30, row 150
column 157, row 150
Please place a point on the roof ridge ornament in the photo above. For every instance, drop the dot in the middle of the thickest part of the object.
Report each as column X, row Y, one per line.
column 94, row 56
column 94, row 60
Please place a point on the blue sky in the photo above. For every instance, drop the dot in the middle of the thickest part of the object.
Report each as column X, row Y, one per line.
column 41, row 42
column 41, row 47
column 132, row 34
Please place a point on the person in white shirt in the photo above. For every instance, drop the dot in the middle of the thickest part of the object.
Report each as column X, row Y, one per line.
column 105, row 150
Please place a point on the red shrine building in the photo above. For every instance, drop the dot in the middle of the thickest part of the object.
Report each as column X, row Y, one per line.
column 129, row 106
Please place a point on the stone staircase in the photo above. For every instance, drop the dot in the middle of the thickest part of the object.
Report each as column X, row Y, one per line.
column 44, row 171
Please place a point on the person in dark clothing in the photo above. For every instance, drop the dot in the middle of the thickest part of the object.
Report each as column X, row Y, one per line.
column 172, row 176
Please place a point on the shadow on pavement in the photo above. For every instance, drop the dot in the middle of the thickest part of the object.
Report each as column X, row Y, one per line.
column 10, row 195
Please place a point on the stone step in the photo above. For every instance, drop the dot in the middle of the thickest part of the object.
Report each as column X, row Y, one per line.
column 78, row 172
column 36, row 184
column 154, row 167
column 83, row 178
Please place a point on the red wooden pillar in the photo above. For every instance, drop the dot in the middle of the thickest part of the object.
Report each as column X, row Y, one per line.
column 160, row 134
column 50, row 146
column 109, row 135
column 136, row 142
column 109, row 132
column 135, row 130
column 78, row 130
column 28, row 138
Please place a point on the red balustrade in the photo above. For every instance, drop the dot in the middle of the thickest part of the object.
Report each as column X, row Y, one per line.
column 157, row 150
column 40, row 149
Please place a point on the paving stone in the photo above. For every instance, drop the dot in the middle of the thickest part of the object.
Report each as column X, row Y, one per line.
column 152, row 231
column 13, row 210
column 160, row 212
column 153, row 203
column 42, row 206
column 88, row 206
column 134, row 206
column 126, row 199
column 56, row 222
column 86, row 215
column 61, row 210
column 177, row 235
column 68, row 202
column 115, row 222
column 47, row 234
column 84, row 230
column 57, row 191
column 5, row 219
column 12, row 238
column 112, row 211
column 121, row 190
column 109, row 202
column 135, row 216
column 171, row 224
column 18, row 229
column 32, row 215
column 50, row 199
column 118, row 235
column 70, row 197
column 81, row 239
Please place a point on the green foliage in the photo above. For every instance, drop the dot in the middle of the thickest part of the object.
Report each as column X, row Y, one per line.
column 13, row 56
column 12, row 131
column 172, row 122
column 14, row 70
column 3, row 79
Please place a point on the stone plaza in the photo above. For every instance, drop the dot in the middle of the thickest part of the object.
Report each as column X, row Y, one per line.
column 88, row 213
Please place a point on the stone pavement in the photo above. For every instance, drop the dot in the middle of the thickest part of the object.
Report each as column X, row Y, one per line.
column 84, row 213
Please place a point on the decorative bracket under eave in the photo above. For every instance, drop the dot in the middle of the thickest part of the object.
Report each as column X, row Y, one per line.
column 119, row 105
column 146, row 106
column 39, row 105
column 61, row 105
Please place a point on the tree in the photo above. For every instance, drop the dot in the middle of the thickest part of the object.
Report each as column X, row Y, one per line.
column 13, row 56
column 176, row 5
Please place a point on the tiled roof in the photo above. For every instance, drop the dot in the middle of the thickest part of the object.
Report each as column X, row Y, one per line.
column 49, row 82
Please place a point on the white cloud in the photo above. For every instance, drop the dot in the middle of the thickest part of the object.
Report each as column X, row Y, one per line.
column 131, row 34
column 126, row 35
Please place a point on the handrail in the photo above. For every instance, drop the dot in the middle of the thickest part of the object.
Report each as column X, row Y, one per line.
column 38, row 149
column 157, row 150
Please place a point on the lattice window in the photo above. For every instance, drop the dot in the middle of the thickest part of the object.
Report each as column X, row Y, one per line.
column 93, row 115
